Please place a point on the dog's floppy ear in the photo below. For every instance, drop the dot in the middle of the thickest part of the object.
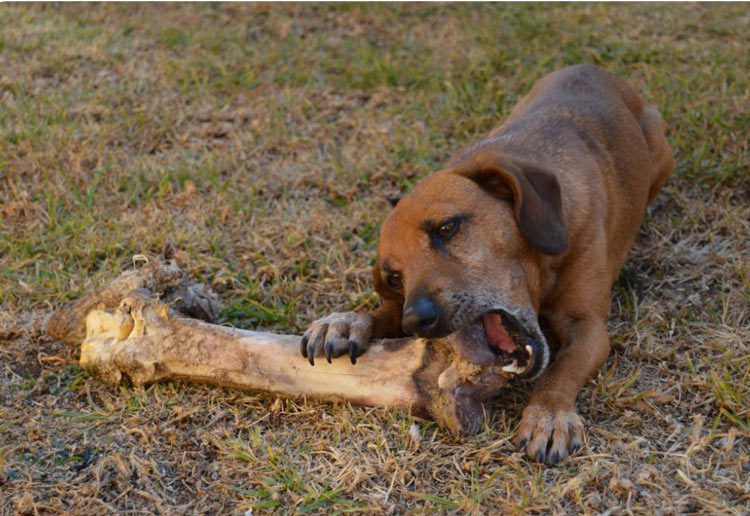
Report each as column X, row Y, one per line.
column 535, row 194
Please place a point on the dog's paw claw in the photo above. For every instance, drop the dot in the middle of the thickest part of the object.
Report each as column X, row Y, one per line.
column 549, row 436
column 336, row 335
column 329, row 350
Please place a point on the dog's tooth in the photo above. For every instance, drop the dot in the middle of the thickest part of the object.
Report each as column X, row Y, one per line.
column 513, row 368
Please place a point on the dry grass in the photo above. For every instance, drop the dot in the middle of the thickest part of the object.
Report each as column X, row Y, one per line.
column 262, row 142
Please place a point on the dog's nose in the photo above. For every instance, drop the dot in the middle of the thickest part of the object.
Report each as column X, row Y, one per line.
column 421, row 317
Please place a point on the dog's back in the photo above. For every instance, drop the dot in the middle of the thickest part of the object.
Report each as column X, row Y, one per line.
column 606, row 147
column 602, row 105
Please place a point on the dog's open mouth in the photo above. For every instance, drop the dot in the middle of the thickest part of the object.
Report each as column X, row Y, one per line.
column 510, row 342
column 508, row 339
column 511, row 339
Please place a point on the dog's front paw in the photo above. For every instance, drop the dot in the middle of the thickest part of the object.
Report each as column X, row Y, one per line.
column 548, row 435
column 337, row 334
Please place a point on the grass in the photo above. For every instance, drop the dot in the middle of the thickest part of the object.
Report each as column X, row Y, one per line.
column 261, row 144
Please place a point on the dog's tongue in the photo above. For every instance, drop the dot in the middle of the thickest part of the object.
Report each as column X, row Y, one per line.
column 497, row 335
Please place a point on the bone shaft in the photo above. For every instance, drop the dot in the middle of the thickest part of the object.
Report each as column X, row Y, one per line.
column 387, row 375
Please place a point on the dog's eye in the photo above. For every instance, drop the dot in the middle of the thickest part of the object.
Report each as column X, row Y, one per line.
column 447, row 229
column 394, row 281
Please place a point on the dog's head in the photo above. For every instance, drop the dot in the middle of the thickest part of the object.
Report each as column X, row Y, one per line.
column 460, row 253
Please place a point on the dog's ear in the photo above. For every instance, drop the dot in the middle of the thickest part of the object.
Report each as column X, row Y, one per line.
column 535, row 194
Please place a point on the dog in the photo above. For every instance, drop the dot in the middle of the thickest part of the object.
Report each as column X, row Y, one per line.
column 518, row 241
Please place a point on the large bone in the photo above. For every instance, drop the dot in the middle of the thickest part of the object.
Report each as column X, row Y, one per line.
column 130, row 331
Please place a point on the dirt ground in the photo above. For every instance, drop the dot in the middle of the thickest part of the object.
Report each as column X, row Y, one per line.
column 261, row 143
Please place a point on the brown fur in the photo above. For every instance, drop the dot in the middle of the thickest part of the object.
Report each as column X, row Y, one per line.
column 550, row 204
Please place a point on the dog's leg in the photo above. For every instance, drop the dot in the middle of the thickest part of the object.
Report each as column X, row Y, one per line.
column 550, row 429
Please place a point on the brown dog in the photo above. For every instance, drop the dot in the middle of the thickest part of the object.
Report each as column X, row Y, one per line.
column 524, row 231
